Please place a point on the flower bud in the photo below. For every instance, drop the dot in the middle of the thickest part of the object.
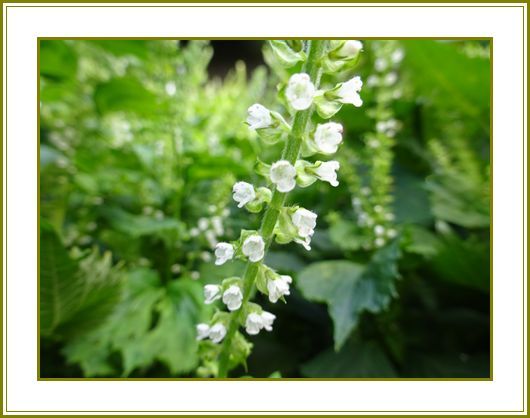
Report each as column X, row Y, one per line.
column 232, row 298
column 254, row 248
column 283, row 174
column 243, row 193
column 327, row 137
column 259, row 117
column 212, row 292
column 300, row 91
column 203, row 331
column 223, row 252
column 349, row 49
column 217, row 333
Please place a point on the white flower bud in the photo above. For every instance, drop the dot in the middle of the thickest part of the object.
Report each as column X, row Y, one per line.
column 327, row 171
column 300, row 91
column 217, row 333
column 223, row 252
column 397, row 56
column 212, row 292
column 391, row 233
column 253, row 324
column 203, row 224
column 254, row 248
column 328, row 136
column 305, row 221
column 379, row 242
column 232, row 298
column 243, row 193
column 217, row 225
column 259, row 117
column 203, row 331
column 278, row 287
column 267, row 319
column 349, row 92
column 282, row 174
column 350, row 49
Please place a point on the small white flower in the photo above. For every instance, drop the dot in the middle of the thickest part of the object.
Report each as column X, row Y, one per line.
column 305, row 221
column 171, row 88
column 267, row 319
column 305, row 242
column 300, row 91
column 203, row 331
column 389, row 216
column 378, row 208
column 356, row 202
column 253, row 324
column 397, row 56
column 212, row 292
column 217, row 224
column 211, row 237
column 327, row 171
column 282, row 174
column 379, row 230
column 328, row 136
column 203, row 224
column 259, row 117
column 349, row 92
column 391, row 233
column 278, row 287
column 217, row 333
column 223, row 252
column 195, row 275
column 194, row 232
column 380, row 64
column 379, row 242
column 254, row 248
column 232, row 298
column 391, row 78
column 243, row 193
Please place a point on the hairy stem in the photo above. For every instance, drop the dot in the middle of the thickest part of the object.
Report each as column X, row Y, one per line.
column 290, row 153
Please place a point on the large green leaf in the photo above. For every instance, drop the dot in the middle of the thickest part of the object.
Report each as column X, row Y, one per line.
column 350, row 288
column 153, row 323
column 355, row 359
column 60, row 285
column 75, row 296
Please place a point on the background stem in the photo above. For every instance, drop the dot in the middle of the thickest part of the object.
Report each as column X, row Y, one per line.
column 315, row 50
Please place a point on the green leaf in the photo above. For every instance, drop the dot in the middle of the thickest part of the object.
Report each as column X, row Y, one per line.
column 345, row 235
column 74, row 296
column 60, row 286
column 458, row 199
column 350, row 288
column 58, row 60
column 125, row 94
column 141, row 225
column 355, row 359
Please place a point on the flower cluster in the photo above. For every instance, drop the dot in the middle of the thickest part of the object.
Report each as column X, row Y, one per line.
column 281, row 223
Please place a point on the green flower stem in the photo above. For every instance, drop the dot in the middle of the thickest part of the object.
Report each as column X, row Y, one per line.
column 290, row 153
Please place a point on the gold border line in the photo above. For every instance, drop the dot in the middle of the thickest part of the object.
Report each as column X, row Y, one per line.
column 273, row 1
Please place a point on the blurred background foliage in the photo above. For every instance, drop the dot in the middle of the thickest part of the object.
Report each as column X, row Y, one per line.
column 140, row 143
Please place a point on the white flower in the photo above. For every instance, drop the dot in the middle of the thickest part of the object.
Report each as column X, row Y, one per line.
column 278, row 287
column 243, row 193
column 349, row 92
column 203, row 331
column 300, row 91
column 391, row 78
column 379, row 230
column 379, row 242
column 254, row 248
column 217, row 333
column 305, row 221
column 223, row 252
column 267, row 319
column 258, row 117
column 305, row 242
column 380, row 64
column 253, row 324
column 232, row 298
column 397, row 56
column 212, row 292
column 327, row 171
column 203, row 224
column 391, row 233
column 282, row 174
column 328, row 136
column 350, row 48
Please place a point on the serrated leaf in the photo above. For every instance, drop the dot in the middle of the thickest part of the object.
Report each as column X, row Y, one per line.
column 350, row 288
